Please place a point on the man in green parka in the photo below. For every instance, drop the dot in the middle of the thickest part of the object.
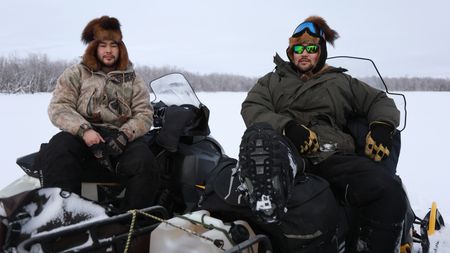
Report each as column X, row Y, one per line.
column 311, row 104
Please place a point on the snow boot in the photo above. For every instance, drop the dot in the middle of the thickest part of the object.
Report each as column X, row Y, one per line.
column 377, row 238
column 267, row 168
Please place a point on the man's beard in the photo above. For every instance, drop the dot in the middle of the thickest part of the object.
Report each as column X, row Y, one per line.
column 108, row 63
column 303, row 70
column 307, row 69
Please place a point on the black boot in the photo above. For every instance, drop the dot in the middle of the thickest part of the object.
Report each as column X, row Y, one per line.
column 267, row 168
column 379, row 238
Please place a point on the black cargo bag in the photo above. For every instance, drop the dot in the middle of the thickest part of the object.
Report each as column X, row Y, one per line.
column 309, row 225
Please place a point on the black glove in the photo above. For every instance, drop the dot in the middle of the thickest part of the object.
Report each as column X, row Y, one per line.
column 176, row 118
column 99, row 151
column 379, row 141
column 115, row 145
column 302, row 137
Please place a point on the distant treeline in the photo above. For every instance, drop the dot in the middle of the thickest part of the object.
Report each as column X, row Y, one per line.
column 36, row 73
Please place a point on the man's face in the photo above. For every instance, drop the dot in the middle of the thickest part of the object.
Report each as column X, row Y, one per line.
column 108, row 52
column 306, row 61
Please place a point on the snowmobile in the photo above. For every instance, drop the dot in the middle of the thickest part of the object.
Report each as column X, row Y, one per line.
column 188, row 156
column 194, row 169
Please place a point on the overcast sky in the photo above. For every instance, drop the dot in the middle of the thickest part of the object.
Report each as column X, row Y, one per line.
column 405, row 38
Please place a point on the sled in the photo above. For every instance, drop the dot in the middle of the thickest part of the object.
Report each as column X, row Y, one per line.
column 146, row 230
column 94, row 236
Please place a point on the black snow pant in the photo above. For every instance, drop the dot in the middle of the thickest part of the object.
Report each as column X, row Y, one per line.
column 65, row 161
column 374, row 192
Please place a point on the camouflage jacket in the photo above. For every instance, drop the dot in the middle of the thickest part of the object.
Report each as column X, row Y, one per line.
column 118, row 100
column 324, row 103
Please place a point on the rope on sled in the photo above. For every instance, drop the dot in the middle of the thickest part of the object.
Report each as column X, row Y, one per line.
column 218, row 243
column 130, row 232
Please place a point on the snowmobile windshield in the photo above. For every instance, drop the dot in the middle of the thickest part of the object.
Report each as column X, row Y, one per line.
column 174, row 89
column 176, row 106
column 365, row 70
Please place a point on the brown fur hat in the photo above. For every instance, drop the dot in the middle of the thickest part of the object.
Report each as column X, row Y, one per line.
column 329, row 35
column 103, row 28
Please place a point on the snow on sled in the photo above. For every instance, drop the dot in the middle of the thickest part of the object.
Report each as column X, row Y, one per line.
column 53, row 220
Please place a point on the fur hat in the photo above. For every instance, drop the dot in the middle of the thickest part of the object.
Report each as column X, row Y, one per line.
column 322, row 34
column 103, row 28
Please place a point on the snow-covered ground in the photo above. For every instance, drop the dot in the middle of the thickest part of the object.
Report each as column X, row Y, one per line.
column 424, row 163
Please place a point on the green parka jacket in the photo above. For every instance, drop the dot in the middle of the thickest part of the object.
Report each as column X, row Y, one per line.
column 118, row 100
column 323, row 103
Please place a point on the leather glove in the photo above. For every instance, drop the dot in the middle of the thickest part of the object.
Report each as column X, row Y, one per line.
column 379, row 141
column 303, row 138
column 99, row 152
column 115, row 145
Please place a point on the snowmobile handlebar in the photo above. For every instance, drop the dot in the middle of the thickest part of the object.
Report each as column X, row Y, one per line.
column 194, row 120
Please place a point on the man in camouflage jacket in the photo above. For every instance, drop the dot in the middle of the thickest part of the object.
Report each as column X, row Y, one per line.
column 103, row 110
column 311, row 104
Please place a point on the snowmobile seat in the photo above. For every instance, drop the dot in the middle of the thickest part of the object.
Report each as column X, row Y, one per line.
column 26, row 164
column 358, row 127
column 100, row 176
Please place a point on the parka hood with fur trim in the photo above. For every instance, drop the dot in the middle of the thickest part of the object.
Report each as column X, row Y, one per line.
column 326, row 34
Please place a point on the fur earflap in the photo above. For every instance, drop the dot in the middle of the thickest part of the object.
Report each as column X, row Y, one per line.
column 330, row 34
column 101, row 29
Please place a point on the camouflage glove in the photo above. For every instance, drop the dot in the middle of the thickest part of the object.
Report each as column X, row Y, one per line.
column 115, row 145
column 303, row 138
column 379, row 141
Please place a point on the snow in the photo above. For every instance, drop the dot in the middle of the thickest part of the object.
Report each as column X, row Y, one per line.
column 2, row 210
column 424, row 165
column 440, row 242
column 23, row 183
